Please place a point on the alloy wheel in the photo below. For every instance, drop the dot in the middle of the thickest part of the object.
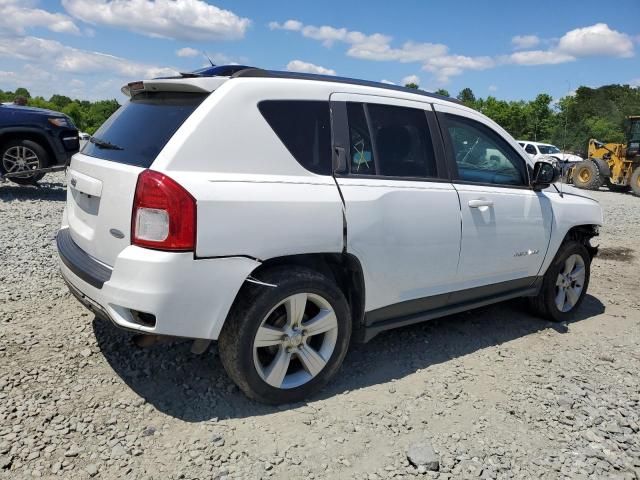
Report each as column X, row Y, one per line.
column 20, row 158
column 295, row 340
column 570, row 283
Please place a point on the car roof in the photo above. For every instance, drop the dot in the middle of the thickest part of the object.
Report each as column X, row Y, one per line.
column 208, row 79
column 260, row 73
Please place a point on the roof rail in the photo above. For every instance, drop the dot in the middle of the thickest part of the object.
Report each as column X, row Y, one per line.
column 260, row 73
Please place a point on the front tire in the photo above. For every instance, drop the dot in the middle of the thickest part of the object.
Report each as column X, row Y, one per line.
column 586, row 175
column 565, row 283
column 23, row 155
column 283, row 344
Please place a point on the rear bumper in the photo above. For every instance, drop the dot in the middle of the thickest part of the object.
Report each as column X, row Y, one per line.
column 189, row 298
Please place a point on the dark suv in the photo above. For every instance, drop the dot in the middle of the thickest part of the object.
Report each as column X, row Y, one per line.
column 33, row 140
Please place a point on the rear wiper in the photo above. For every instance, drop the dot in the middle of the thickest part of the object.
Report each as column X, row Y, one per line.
column 104, row 144
column 189, row 75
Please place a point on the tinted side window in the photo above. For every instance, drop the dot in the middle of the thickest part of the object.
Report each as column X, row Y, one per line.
column 402, row 141
column 360, row 149
column 481, row 155
column 304, row 128
column 531, row 149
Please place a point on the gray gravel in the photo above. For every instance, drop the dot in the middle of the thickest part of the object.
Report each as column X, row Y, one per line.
column 495, row 392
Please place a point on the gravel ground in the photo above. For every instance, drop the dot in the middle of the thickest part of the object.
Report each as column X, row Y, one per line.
column 491, row 393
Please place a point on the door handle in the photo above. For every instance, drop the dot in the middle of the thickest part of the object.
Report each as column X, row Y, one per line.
column 480, row 203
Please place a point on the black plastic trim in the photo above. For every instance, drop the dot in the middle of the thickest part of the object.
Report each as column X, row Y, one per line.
column 80, row 262
column 260, row 73
column 429, row 308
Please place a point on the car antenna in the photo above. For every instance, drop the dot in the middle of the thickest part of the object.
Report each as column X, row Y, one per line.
column 205, row 54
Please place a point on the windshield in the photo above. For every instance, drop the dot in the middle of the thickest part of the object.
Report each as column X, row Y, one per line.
column 548, row 149
column 137, row 132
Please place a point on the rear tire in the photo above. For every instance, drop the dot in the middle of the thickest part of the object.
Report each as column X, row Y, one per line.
column 586, row 175
column 23, row 155
column 564, row 284
column 635, row 181
column 283, row 344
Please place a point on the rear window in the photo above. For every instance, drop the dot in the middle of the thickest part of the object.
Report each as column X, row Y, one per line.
column 140, row 129
column 304, row 128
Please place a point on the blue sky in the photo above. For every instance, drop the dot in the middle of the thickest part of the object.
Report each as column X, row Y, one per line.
column 509, row 49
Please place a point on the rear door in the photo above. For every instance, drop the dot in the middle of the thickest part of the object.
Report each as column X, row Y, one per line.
column 102, row 177
column 506, row 226
column 403, row 216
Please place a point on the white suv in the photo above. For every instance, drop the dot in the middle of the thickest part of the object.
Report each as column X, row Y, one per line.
column 286, row 215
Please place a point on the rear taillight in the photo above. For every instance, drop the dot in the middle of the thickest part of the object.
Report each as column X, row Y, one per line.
column 164, row 214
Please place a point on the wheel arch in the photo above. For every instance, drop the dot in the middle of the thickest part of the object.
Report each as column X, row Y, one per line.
column 344, row 268
column 583, row 234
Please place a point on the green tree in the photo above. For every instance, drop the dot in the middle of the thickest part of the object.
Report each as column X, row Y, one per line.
column 74, row 110
column 60, row 101
column 443, row 92
column 540, row 118
column 412, row 85
column 22, row 92
column 467, row 97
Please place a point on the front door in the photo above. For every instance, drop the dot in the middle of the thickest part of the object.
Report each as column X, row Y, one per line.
column 506, row 226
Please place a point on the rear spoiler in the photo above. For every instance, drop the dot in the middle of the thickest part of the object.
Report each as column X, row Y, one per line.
column 195, row 85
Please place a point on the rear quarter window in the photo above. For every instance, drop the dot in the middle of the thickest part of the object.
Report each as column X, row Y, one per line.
column 137, row 132
column 304, row 127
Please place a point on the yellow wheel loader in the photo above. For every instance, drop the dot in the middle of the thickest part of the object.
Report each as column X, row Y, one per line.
column 616, row 165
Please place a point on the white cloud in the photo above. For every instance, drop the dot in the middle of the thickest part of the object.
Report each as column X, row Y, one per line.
column 305, row 67
column 187, row 52
column 493, row 88
column 448, row 66
column 7, row 76
column 388, row 82
column 410, row 79
column 539, row 57
column 17, row 17
column 434, row 57
column 520, row 42
column 635, row 82
column 178, row 19
column 63, row 58
column 376, row 47
column 596, row 40
column 293, row 25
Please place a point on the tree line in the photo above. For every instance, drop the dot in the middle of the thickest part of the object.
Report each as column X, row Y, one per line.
column 568, row 122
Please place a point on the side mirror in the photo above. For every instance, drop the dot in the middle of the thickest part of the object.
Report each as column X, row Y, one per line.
column 544, row 174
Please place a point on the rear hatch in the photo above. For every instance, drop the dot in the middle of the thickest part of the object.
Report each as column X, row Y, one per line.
column 102, row 177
